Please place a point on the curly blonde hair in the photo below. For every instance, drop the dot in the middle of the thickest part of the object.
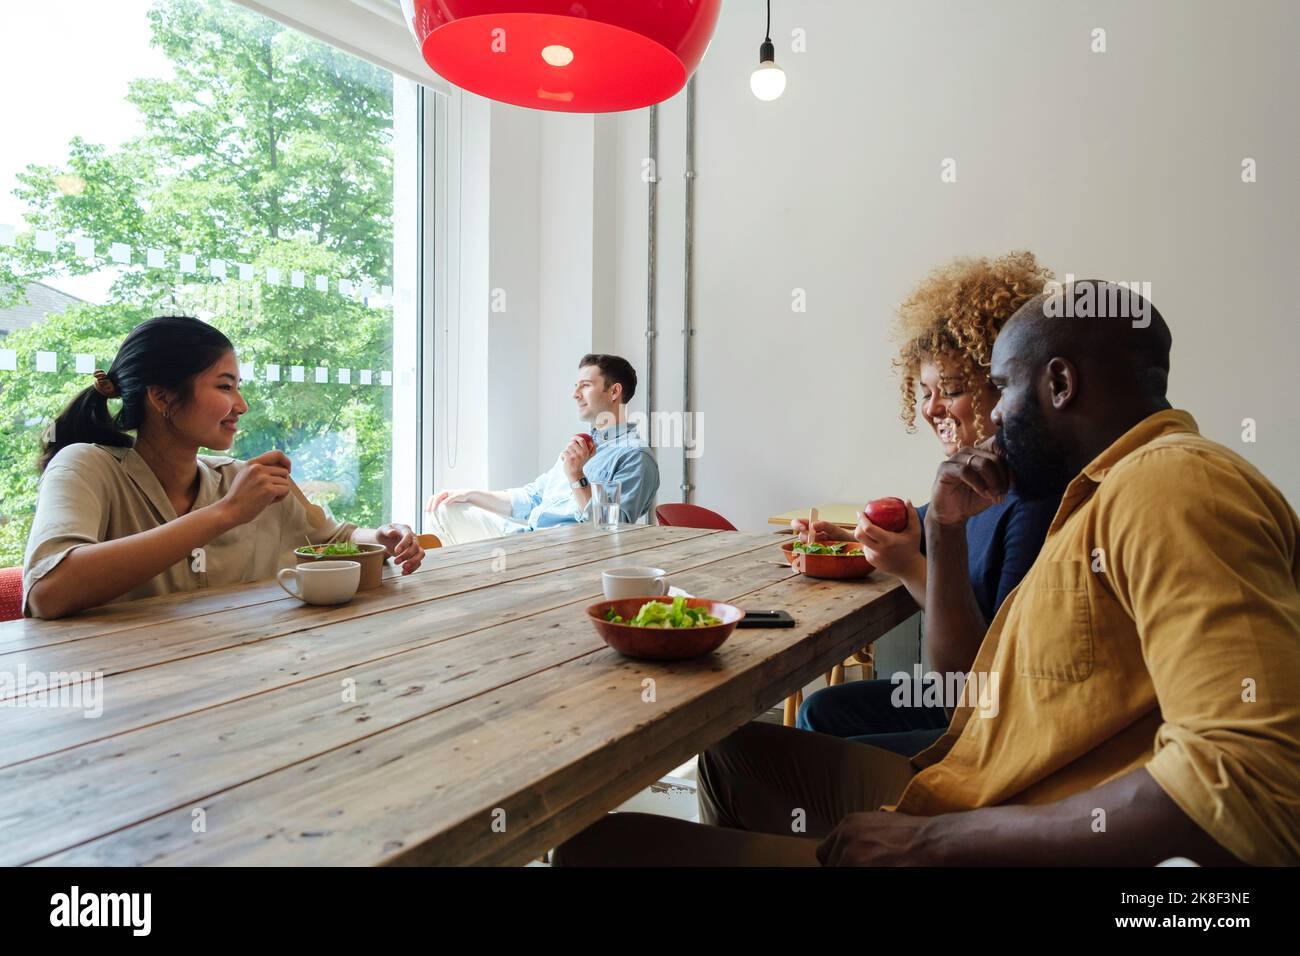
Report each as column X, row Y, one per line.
column 955, row 314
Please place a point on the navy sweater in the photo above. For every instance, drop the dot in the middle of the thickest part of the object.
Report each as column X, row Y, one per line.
column 1001, row 543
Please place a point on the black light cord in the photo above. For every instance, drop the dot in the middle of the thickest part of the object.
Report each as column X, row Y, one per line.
column 767, row 34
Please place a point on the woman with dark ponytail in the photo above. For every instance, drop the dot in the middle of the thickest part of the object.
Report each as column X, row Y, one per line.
column 129, row 509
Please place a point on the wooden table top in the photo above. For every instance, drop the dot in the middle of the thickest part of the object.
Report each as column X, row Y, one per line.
column 844, row 515
column 467, row 713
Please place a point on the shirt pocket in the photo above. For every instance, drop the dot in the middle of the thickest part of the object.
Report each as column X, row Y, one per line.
column 1055, row 623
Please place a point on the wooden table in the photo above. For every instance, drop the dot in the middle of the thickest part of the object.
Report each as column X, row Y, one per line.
column 844, row 515
column 467, row 713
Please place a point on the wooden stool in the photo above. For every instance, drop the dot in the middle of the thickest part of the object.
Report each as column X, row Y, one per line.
column 864, row 657
column 792, row 708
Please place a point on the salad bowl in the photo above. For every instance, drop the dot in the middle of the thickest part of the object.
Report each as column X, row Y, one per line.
column 836, row 567
column 371, row 557
column 664, row 643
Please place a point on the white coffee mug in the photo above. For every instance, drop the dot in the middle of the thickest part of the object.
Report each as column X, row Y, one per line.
column 633, row 582
column 322, row 582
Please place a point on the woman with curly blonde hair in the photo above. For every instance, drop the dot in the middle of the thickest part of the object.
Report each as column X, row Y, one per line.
column 947, row 327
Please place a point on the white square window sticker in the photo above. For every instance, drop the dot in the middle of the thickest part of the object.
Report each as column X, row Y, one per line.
column 47, row 362
column 189, row 262
column 365, row 376
column 296, row 373
column 385, row 377
column 84, row 247
column 297, row 279
column 155, row 259
column 245, row 272
column 345, row 287
column 8, row 360
column 272, row 275
column 8, row 234
column 246, row 370
column 120, row 252
column 345, row 376
column 85, row 363
column 322, row 284
column 44, row 240
column 217, row 268
column 272, row 373
column 322, row 375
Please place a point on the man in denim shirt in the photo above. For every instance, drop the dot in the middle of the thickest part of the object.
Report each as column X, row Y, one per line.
column 606, row 383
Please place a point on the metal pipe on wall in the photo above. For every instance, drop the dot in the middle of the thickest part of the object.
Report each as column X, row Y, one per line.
column 687, row 331
column 651, row 330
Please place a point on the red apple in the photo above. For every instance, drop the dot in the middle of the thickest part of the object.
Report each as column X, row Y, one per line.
column 586, row 439
column 887, row 513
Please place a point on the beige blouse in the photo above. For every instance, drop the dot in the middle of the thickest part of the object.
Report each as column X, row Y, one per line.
column 94, row 493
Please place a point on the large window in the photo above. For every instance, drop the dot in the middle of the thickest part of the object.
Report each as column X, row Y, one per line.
column 191, row 156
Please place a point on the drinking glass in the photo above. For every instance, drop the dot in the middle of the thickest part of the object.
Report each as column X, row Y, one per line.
column 605, row 504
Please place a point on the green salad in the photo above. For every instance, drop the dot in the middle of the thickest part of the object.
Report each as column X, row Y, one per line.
column 331, row 550
column 660, row 614
column 800, row 547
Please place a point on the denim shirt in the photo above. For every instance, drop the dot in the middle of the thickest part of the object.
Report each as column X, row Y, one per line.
column 621, row 455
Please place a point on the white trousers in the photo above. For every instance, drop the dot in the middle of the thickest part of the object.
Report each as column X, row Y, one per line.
column 461, row 523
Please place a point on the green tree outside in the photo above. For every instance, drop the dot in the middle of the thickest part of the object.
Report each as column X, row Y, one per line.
column 267, row 148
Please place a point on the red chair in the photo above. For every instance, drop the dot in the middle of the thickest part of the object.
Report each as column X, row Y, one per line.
column 692, row 516
column 11, row 594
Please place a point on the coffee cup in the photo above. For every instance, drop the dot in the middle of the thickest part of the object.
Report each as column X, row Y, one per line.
column 322, row 582
column 633, row 582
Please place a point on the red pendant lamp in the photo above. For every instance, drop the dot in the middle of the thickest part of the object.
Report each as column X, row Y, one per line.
column 596, row 56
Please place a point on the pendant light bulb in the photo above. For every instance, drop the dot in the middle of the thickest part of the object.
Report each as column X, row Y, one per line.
column 768, row 81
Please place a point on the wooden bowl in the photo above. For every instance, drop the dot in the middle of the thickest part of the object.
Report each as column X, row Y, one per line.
column 663, row 643
column 371, row 559
column 833, row 567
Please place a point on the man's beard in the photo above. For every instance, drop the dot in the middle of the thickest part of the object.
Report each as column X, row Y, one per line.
column 1036, row 458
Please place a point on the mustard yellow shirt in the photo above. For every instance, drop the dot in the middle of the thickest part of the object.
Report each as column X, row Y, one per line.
column 1159, row 628
column 93, row 493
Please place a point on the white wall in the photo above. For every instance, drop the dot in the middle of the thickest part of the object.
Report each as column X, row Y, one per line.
column 530, row 239
column 567, row 165
column 514, row 289
column 1123, row 164
column 461, row 331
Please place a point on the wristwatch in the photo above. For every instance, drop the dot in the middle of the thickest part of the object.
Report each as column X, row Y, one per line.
column 580, row 483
